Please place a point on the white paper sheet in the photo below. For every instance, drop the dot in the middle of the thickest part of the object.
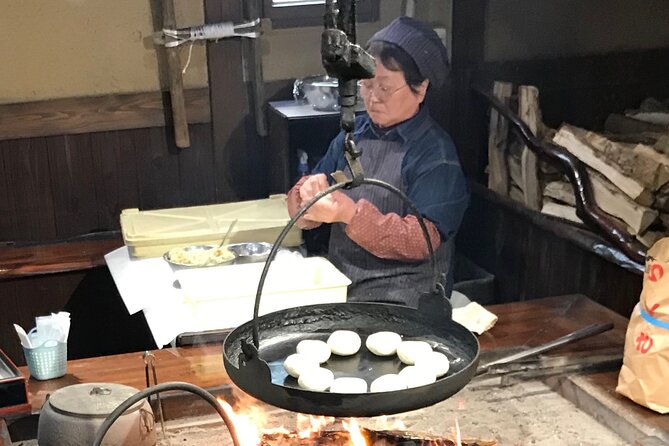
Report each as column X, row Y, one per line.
column 142, row 283
column 217, row 300
column 147, row 284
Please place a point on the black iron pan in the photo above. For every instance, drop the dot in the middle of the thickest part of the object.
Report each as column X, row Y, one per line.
column 261, row 373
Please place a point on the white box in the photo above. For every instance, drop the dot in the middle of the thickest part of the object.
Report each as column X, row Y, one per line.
column 224, row 296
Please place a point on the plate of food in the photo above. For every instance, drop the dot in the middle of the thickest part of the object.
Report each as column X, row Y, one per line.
column 199, row 256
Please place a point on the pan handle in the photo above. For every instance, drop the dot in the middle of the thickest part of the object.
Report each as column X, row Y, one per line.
column 586, row 332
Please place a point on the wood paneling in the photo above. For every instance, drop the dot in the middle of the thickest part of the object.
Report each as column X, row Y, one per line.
column 59, row 187
column 28, row 177
column 532, row 255
column 115, row 174
column 196, row 168
column 72, row 184
column 6, row 207
column 94, row 114
column 23, row 299
column 158, row 170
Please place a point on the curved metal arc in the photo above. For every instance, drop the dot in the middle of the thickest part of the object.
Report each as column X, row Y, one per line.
column 305, row 208
column 586, row 208
column 139, row 396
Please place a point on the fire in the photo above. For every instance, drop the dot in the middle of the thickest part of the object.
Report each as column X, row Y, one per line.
column 250, row 429
column 357, row 439
column 307, row 425
column 247, row 430
column 458, row 435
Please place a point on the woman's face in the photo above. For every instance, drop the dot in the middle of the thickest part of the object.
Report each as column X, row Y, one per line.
column 388, row 98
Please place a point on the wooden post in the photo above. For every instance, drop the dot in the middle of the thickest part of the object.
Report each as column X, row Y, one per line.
column 498, row 172
column 179, row 117
column 528, row 109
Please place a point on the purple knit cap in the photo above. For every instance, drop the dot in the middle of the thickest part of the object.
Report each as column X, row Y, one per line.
column 420, row 42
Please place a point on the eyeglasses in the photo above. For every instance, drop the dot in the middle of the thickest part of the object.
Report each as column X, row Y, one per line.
column 381, row 92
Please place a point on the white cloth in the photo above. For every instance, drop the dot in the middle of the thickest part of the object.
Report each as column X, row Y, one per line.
column 474, row 317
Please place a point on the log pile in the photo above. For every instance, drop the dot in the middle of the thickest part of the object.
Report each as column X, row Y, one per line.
column 627, row 163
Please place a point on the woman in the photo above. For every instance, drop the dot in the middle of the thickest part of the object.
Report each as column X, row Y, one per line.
column 373, row 240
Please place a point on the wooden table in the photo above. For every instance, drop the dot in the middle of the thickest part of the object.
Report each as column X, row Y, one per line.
column 521, row 324
column 37, row 259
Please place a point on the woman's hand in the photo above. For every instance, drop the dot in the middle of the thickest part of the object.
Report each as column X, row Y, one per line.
column 334, row 207
column 312, row 186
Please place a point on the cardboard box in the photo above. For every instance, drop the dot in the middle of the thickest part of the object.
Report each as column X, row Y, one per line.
column 153, row 233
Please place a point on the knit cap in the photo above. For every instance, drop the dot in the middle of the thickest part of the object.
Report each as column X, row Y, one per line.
column 420, row 42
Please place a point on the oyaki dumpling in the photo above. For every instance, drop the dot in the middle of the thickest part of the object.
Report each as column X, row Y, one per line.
column 297, row 363
column 344, row 342
column 388, row 383
column 349, row 385
column 436, row 361
column 316, row 380
column 315, row 349
column 383, row 343
column 409, row 351
column 415, row 376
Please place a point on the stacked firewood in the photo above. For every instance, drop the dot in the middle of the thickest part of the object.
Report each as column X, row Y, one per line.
column 627, row 164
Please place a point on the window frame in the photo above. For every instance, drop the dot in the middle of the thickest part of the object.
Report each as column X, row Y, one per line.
column 297, row 16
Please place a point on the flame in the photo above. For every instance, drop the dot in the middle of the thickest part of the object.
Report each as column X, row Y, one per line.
column 308, row 425
column 247, row 430
column 458, row 436
column 250, row 423
column 357, row 439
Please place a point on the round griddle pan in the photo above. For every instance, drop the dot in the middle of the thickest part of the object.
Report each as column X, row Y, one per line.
column 254, row 352
column 260, row 372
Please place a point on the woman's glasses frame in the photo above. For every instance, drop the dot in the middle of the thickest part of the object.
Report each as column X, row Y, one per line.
column 381, row 92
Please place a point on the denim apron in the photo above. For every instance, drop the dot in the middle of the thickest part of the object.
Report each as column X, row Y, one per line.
column 375, row 279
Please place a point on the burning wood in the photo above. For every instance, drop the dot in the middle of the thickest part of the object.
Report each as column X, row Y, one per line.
column 249, row 426
column 371, row 437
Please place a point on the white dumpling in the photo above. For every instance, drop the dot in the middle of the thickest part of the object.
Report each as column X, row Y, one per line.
column 383, row 343
column 349, row 385
column 317, row 380
column 436, row 361
column 297, row 363
column 317, row 350
column 417, row 376
column 388, row 383
column 344, row 342
column 408, row 351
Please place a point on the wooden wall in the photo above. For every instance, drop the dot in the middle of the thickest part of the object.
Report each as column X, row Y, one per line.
column 57, row 187
column 532, row 255
column 581, row 89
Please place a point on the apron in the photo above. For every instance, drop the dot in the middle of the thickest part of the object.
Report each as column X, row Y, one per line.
column 375, row 279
